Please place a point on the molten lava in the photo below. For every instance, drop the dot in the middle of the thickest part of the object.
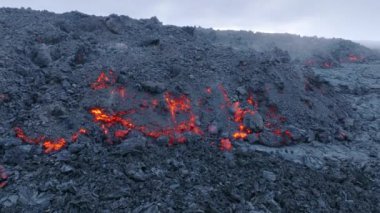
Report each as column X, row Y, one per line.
column 252, row 102
column 75, row 136
column 240, row 135
column 119, row 124
column 177, row 104
column 104, row 81
column 174, row 133
column 225, row 144
column 208, row 90
column 239, row 115
column 110, row 120
column 48, row 145
column 274, row 122
column 53, row 146
column 354, row 58
column 24, row 138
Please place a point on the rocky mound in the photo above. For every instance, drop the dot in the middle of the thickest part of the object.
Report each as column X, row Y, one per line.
column 93, row 109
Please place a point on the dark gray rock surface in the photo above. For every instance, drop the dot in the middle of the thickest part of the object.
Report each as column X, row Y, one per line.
column 48, row 66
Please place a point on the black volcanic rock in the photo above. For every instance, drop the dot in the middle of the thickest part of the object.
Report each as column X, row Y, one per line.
column 41, row 56
column 114, row 24
column 59, row 70
column 254, row 122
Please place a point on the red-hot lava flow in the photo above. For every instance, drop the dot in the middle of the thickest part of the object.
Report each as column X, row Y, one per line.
column 225, row 144
column 53, row 145
column 180, row 104
column 48, row 145
column 175, row 134
column 119, row 124
column 239, row 114
column 354, row 58
column 75, row 136
column 104, row 81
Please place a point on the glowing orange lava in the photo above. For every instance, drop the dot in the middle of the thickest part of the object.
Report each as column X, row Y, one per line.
column 177, row 104
column 24, row 138
column 75, row 136
column 48, row 145
column 174, row 133
column 104, row 81
column 53, row 146
column 119, row 124
column 225, row 144
column 239, row 115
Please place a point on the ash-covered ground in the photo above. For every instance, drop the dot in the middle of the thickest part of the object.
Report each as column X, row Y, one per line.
column 113, row 114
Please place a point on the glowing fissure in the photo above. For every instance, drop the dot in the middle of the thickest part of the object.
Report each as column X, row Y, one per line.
column 179, row 104
column 104, row 81
column 354, row 58
column 118, row 125
column 328, row 64
column 175, row 134
column 49, row 145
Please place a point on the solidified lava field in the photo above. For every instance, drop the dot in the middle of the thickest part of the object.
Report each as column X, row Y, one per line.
column 113, row 114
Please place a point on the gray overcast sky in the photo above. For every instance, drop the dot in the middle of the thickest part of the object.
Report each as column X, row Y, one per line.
column 351, row 19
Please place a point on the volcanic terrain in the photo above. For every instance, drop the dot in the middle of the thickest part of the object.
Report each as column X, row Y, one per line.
column 113, row 114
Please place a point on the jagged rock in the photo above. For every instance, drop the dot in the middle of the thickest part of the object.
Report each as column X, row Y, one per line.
column 112, row 175
column 153, row 87
column 342, row 135
column 152, row 23
column 66, row 169
column 76, row 148
column 81, row 55
column 242, row 91
column 253, row 138
column 150, row 42
column 189, row 30
column 162, row 140
column 114, row 24
column 18, row 154
column 267, row 138
column 9, row 142
column 41, row 56
column 270, row 176
column 147, row 208
column 9, row 201
column 58, row 111
column 131, row 145
column 312, row 162
column 297, row 134
column 254, row 122
column 349, row 123
column 213, row 128
column 174, row 71
column 135, row 173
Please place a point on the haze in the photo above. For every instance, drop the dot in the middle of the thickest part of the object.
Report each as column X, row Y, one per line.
column 355, row 20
